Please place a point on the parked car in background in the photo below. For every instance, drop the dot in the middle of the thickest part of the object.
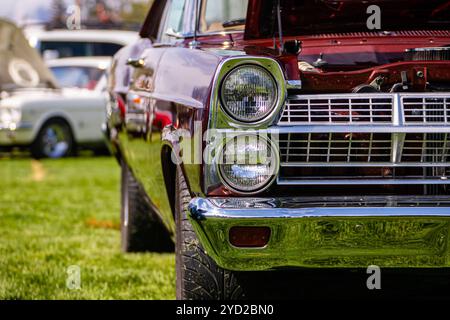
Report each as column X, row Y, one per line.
column 38, row 114
column 81, row 72
column 62, row 43
column 296, row 137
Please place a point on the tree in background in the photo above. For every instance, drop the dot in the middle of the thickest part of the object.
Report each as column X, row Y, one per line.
column 134, row 11
column 59, row 15
column 107, row 13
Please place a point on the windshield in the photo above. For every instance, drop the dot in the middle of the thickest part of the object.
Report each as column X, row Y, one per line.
column 77, row 77
column 223, row 15
column 306, row 17
column 64, row 49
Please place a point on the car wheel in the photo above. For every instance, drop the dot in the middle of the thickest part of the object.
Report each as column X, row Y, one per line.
column 54, row 140
column 141, row 228
column 102, row 150
column 198, row 276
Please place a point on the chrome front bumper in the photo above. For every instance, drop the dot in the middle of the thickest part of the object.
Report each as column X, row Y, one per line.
column 327, row 232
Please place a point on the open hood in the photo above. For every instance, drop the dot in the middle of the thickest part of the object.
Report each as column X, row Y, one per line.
column 308, row 17
column 21, row 66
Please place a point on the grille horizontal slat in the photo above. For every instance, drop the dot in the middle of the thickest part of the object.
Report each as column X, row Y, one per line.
column 364, row 175
column 397, row 181
column 373, row 109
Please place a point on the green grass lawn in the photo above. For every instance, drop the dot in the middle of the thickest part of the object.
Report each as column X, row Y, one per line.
column 58, row 213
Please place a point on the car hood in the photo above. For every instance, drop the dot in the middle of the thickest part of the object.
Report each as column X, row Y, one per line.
column 21, row 66
column 309, row 17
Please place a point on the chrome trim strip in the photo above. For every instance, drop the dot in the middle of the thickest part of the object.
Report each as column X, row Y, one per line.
column 359, row 129
column 188, row 102
column 398, row 140
column 332, row 201
column 179, row 35
column 364, row 164
column 201, row 209
column 359, row 181
column 397, row 111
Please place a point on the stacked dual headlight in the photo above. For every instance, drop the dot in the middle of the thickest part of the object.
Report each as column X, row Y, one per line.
column 250, row 95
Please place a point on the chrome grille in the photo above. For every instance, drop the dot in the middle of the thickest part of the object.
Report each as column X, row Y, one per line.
column 429, row 110
column 359, row 158
column 338, row 109
column 335, row 147
column 383, row 139
column 426, row 147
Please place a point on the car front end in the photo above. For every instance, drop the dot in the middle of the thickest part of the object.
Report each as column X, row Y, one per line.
column 315, row 161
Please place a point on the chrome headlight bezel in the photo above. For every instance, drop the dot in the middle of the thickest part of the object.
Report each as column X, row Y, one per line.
column 275, row 156
column 269, row 76
column 220, row 119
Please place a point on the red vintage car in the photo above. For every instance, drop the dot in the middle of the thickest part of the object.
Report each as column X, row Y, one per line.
column 262, row 135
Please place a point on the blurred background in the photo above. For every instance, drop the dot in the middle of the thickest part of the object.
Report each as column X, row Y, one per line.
column 75, row 41
column 32, row 12
column 59, row 186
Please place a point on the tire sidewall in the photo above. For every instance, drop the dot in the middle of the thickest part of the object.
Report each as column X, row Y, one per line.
column 124, row 208
column 178, row 239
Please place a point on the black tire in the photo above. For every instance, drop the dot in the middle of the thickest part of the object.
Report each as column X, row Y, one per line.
column 102, row 151
column 198, row 276
column 141, row 228
column 54, row 140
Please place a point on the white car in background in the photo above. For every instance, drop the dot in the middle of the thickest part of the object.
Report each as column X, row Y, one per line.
column 61, row 43
column 81, row 72
column 52, row 120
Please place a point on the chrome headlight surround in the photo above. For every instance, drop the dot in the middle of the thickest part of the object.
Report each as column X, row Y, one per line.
column 220, row 118
column 221, row 121
column 251, row 78
column 261, row 186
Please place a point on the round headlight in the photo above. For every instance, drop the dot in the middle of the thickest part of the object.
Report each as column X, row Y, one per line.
column 8, row 116
column 249, row 93
column 248, row 163
column 5, row 116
